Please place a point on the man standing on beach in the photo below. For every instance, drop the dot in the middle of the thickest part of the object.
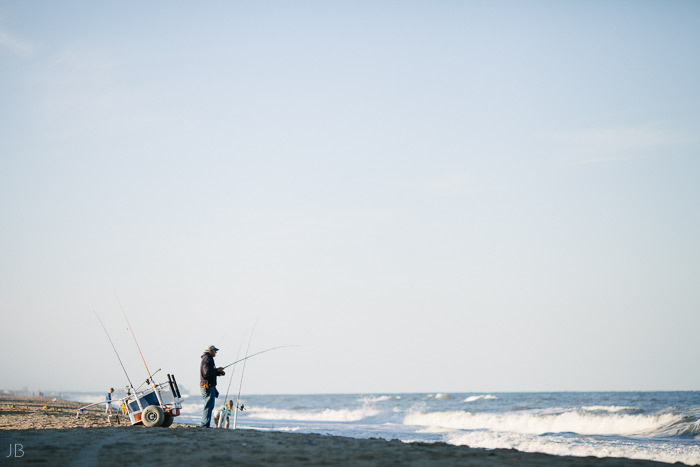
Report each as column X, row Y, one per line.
column 207, row 383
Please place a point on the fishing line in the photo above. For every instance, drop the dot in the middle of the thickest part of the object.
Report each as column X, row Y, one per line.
column 258, row 353
column 115, row 349
column 222, row 338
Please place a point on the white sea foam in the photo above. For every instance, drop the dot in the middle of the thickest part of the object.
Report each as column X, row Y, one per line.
column 561, row 446
column 534, row 423
column 480, row 397
column 327, row 415
column 192, row 413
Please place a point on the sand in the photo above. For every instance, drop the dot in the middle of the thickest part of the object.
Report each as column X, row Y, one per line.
column 47, row 432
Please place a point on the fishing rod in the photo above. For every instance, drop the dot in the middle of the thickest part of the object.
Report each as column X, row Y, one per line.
column 146, row 382
column 115, row 349
column 240, row 386
column 233, row 370
column 258, row 353
column 230, row 380
column 150, row 376
column 222, row 338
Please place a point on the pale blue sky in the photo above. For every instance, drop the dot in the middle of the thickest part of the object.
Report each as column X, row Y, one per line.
column 425, row 196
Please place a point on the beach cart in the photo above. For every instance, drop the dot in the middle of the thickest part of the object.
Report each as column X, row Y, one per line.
column 156, row 405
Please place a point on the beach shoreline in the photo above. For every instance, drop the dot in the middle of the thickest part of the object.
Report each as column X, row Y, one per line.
column 47, row 431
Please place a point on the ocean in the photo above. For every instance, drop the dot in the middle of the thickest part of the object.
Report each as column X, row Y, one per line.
column 660, row 426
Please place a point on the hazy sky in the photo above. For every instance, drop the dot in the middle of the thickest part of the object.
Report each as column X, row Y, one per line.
column 424, row 196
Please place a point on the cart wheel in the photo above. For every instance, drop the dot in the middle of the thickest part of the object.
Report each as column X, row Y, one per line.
column 168, row 420
column 152, row 416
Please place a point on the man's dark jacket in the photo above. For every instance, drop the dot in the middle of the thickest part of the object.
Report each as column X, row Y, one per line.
column 207, row 371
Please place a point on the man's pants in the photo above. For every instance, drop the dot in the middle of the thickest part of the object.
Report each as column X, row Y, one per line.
column 209, row 395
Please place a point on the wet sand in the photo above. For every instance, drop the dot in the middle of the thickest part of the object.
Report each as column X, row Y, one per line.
column 47, row 432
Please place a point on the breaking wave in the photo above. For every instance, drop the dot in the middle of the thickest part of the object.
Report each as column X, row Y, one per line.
column 585, row 423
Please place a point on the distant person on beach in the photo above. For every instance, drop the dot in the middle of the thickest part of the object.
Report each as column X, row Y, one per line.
column 108, row 399
column 223, row 414
column 207, row 383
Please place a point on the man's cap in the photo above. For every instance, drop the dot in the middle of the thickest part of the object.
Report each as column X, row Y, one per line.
column 211, row 347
